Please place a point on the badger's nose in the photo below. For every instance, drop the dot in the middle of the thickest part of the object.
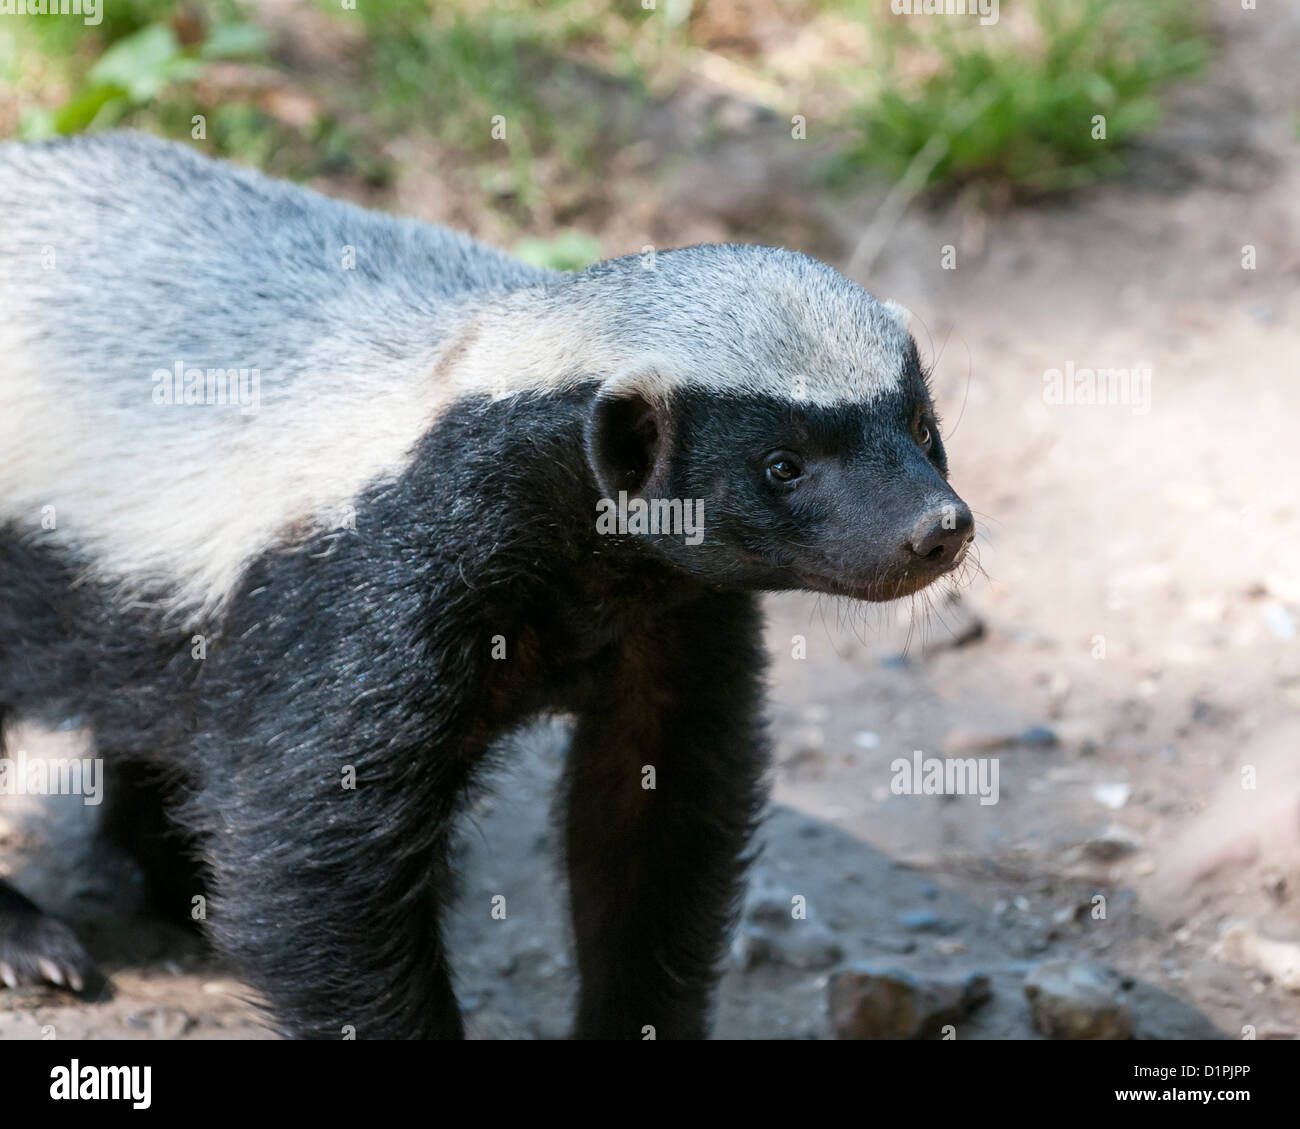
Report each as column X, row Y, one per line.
column 940, row 538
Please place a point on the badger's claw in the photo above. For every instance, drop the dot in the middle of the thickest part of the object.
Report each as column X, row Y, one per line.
column 38, row 949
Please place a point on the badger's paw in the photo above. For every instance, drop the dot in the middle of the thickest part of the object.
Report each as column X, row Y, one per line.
column 37, row 949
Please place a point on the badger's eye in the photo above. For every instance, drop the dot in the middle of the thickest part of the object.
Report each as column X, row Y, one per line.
column 923, row 436
column 782, row 467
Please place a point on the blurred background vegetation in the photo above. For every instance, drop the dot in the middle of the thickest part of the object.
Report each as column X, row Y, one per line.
column 589, row 92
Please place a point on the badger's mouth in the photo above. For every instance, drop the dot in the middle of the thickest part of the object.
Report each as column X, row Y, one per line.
column 893, row 585
column 875, row 591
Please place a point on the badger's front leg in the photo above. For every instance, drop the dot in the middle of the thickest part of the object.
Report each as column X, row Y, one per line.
column 664, row 786
column 326, row 811
column 329, row 903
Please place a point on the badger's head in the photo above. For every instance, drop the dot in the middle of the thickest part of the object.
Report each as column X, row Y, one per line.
column 793, row 405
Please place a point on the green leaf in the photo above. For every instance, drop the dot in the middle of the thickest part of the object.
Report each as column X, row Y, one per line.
column 235, row 41
column 36, row 124
column 569, row 250
column 141, row 63
column 78, row 113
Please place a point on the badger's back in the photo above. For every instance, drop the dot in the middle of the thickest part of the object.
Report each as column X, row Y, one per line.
column 155, row 245
column 121, row 256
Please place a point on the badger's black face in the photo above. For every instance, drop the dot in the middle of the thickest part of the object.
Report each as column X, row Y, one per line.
column 850, row 499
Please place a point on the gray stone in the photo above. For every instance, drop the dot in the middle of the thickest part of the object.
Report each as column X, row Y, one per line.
column 869, row 1002
column 771, row 935
column 1078, row 999
column 1112, row 843
column 924, row 921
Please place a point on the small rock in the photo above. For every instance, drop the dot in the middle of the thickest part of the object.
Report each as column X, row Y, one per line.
column 803, row 746
column 1113, row 843
column 889, row 1003
column 961, row 742
column 161, row 1022
column 1113, row 796
column 865, row 739
column 771, row 935
column 896, row 944
column 1078, row 999
column 1240, row 945
column 924, row 921
column 1280, row 621
column 802, row 740
column 949, row 946
column 1273, row 883
column 1068, row 915
column 963, row 625
column 1039, row 737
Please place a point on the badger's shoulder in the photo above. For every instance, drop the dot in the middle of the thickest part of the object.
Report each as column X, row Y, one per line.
column 123, row 257
column 119, row 251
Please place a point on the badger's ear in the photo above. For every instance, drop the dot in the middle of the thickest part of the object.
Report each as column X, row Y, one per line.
column 628, row 438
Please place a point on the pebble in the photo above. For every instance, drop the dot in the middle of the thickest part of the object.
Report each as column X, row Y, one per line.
column 963, row 626
column 961, row 742
column 924, row 921
column 1113, row 843
column 770, row 935
column 1068, row 915
column 869, row 1002
column 964, row 742
column 1078, row 999
column 1241, row 945
column 1113, row 796
column 1280, row 621
column 161, row 1022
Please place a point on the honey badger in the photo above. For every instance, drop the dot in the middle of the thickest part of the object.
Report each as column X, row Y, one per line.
column 300, row 605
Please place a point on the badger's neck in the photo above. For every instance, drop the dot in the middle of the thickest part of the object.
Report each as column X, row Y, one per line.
column 535, row 340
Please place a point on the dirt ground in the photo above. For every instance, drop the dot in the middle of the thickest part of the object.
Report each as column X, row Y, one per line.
column 1127, row 651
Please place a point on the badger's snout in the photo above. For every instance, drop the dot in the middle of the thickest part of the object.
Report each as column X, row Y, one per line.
column 941, row 537
column 882, row 538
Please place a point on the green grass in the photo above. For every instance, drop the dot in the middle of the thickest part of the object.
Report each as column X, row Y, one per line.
column 568, row 250
column 1023, row 115
column 941, row 99
column 131, row 62
column 453, row 67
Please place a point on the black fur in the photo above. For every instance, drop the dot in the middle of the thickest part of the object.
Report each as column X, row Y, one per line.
column 372, row 651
